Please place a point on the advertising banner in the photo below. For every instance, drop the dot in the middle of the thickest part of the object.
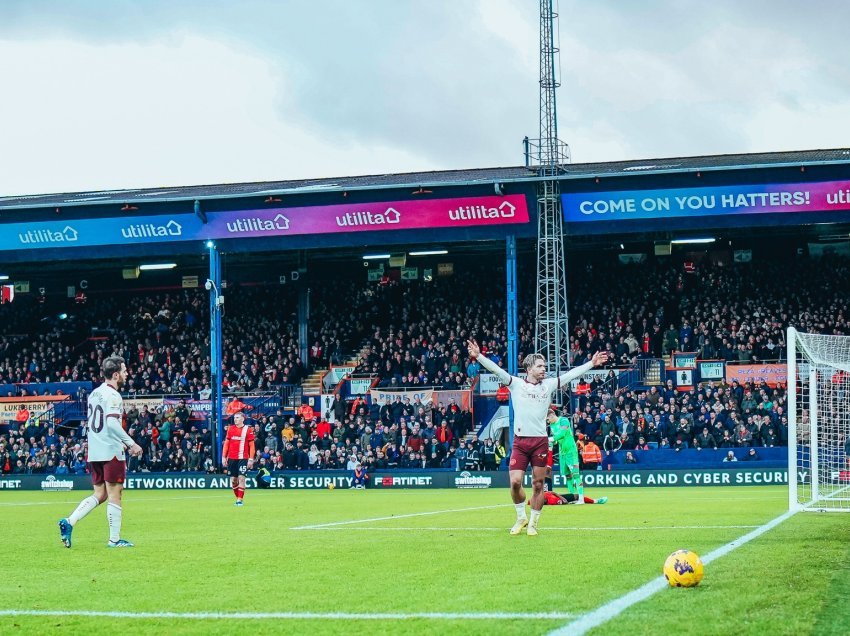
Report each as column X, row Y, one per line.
column 422, row 479
column 488, row 383
column 679, row 477
column 771, row 198
column 11, row 409
column 461, row 397
column 382, row 396
column 154, row 404
column 600, row 374
column 268, row 222
column 772, row 374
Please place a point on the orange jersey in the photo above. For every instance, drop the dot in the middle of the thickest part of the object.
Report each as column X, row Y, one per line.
column 239, row 441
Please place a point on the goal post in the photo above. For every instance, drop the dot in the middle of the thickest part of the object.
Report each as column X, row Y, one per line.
column 818, row 422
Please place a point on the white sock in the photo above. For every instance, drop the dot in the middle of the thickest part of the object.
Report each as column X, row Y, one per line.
column 520, row 511
column 535, row 516
column 113, row 515
column 86, row 506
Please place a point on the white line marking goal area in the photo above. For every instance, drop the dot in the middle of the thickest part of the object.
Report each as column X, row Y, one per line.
column 506, row 528
column 337, row 616
column 605, row 613
column 320, row 526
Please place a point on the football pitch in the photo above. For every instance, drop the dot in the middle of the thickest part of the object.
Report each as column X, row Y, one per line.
column 421, row 562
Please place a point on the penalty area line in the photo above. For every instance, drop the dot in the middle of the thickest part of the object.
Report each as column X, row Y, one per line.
column 344, row 616
column 605, row 613
column 321, row 526
column 505, row 528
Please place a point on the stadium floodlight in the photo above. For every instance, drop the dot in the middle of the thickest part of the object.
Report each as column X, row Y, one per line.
column 693, row 241
column 374, row 257
column 210, row 244
column 63, row 316
column 153, row 266
column 429, row 253
column 4, row 277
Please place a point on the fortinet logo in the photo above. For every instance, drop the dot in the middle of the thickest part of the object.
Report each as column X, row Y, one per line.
column 257, row 224
column 388, row 481
column 350, row 219
column 148, row 230
column 474, row 212
column 10, row 484
column 67, row 235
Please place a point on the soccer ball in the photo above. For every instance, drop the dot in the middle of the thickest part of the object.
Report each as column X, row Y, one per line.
column 683, row 568
column 331, row 486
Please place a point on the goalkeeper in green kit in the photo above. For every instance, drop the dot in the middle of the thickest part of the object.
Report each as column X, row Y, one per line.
column 562, row 435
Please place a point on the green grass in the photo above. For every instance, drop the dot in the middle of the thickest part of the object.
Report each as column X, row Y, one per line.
column 197, row 553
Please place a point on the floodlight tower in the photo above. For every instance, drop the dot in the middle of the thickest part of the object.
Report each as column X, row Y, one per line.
column 550, row 156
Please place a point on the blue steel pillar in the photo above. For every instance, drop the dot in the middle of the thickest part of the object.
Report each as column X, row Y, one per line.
column 216, row 301
column 513, row 319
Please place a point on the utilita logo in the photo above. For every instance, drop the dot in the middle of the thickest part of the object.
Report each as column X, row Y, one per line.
column 68, row 235
column 257, row 224
column 350, row 219
column 475, row 212
column 148, row 230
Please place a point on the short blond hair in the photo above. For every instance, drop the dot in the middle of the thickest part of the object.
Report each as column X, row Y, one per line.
column 531, row 359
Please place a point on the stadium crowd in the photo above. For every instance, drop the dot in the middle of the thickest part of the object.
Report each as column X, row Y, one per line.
column 415, row 333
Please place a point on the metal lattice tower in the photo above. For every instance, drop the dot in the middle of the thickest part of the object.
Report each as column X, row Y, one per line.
column 549, row 156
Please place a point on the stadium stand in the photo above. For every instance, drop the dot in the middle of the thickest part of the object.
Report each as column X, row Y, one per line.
column 414, row 335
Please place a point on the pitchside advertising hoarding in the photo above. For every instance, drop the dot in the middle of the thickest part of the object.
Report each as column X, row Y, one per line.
column 775, row 198
column 407, row 479
column 310, row 220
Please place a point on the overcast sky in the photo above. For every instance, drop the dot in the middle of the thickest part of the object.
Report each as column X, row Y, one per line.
column 129, row 94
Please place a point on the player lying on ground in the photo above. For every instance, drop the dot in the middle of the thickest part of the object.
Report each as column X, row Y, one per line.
column 555, row 499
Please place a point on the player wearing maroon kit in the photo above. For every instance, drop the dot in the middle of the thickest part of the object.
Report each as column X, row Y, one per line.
column 238, row 454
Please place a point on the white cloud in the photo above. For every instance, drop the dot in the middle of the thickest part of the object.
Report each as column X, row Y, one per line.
column 180, row 110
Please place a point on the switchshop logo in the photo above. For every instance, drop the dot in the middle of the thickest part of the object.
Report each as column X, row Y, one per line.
column 468, row 480
column 54, row 483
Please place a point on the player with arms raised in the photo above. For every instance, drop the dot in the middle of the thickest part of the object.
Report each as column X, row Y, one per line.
column 107, row 443
column 531, row 399
column 238, row 454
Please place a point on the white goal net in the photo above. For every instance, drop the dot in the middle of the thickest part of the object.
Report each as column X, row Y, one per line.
column 819, row 421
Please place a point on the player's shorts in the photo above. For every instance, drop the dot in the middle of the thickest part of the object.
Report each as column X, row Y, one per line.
column 114, row 471
column 237, row 467
column 529, row 450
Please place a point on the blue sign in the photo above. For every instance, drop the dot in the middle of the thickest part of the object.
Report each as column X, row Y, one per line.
column 771, row 198
column 92, row 232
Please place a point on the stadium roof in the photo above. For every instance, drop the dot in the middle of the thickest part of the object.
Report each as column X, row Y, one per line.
column 430, row 179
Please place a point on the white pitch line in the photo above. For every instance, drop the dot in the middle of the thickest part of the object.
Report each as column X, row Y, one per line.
column 346, row 616
column 321, row 526
column 131, row 499
column 542, row 529
column 605, row 613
